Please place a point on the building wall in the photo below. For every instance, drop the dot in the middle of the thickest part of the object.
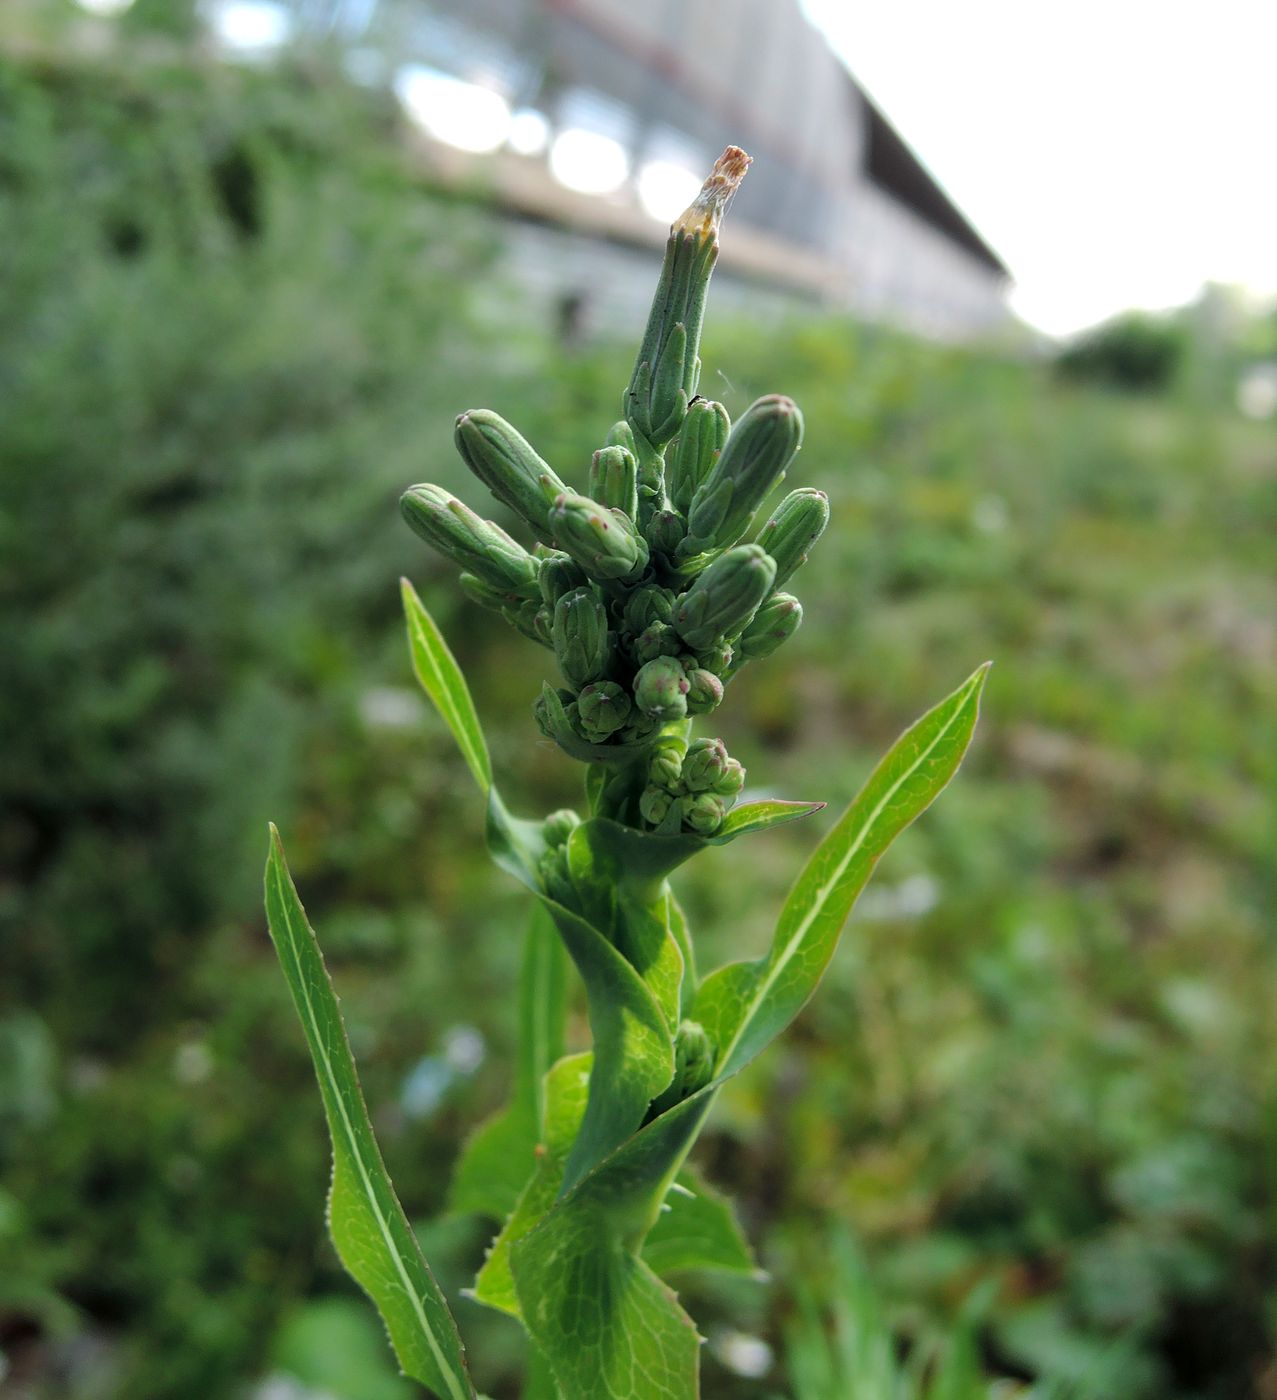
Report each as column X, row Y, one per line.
column 677, row 80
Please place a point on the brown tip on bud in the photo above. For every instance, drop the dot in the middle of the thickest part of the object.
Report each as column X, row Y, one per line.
column 705, row 213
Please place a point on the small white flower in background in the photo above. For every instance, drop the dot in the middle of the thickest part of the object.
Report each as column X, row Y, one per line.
column 192, row 1062
column 742, row 1353
column 913, row 897
column 989, row 515
column 390, row 707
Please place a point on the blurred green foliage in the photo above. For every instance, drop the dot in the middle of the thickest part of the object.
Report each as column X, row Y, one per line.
column 1134, row 351
column 235, row 325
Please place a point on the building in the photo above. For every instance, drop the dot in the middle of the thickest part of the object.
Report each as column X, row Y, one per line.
column 594, row 120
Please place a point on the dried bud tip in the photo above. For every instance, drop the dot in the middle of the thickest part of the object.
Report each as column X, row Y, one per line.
column 705, row 213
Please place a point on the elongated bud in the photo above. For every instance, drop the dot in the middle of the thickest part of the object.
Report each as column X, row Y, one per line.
column 660, row 689
column 724, row 598
column 690, row 460
column 559, row 575
column 478, row 546
column 606, row 545
column 483, row 593
column 507, row 465
column 580, row 637
column 620, row 434
column 793, row 528
column 614, row 480
column 759, row 448
column 541, row 711
column 668, row 364
column 774, row 623
column 602, row 709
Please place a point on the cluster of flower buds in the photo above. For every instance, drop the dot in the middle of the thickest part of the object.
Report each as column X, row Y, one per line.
column 644, row 589
column 690, row 786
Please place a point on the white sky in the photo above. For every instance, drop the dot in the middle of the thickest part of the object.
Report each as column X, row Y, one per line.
column 1114, row 153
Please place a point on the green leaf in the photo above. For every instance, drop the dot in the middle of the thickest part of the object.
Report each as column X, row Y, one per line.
column 566, row 1087
column 697, row 1231
column 499, row 1159
column 441, row 679
column 761, row 816
column 745, row 1005
column 367, row 1223
column 606, row 1324
column 633, row 1043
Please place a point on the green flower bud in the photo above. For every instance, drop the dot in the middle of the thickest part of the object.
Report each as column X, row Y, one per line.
column 691, row 458
column 775, row 622
column 604, row 707
column 794, row 527
column 647, row 605
column 759, row 448
column 693, row 1058
column 556, row 877
column 531, row 618
column 705, row 764
column 660, row 639
column 668, row 364
column 483, row 593
column 654, row 805
column 660, row 689
column 614, row 480
column 665, row 531
column 717, row 657
column 542, row 718
column 620, row 434
column 725, row 596
column 506, row 464
column 732, row 780
column 580, row 636
column 703, row 813
column 559, row 575
column 665, row 767
column 604, row 543
column 706, row 692
column 558, row 826
column 478, row 546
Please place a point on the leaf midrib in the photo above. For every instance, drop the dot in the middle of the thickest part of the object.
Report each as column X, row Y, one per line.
column 823, row 891
column 445, row 1369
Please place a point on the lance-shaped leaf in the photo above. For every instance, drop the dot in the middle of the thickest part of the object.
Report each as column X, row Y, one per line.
column 760, row 816
column 499, row 1158
column 633, row 1038
column 745, row 1005
column 441, row 678
column 368, row 1226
